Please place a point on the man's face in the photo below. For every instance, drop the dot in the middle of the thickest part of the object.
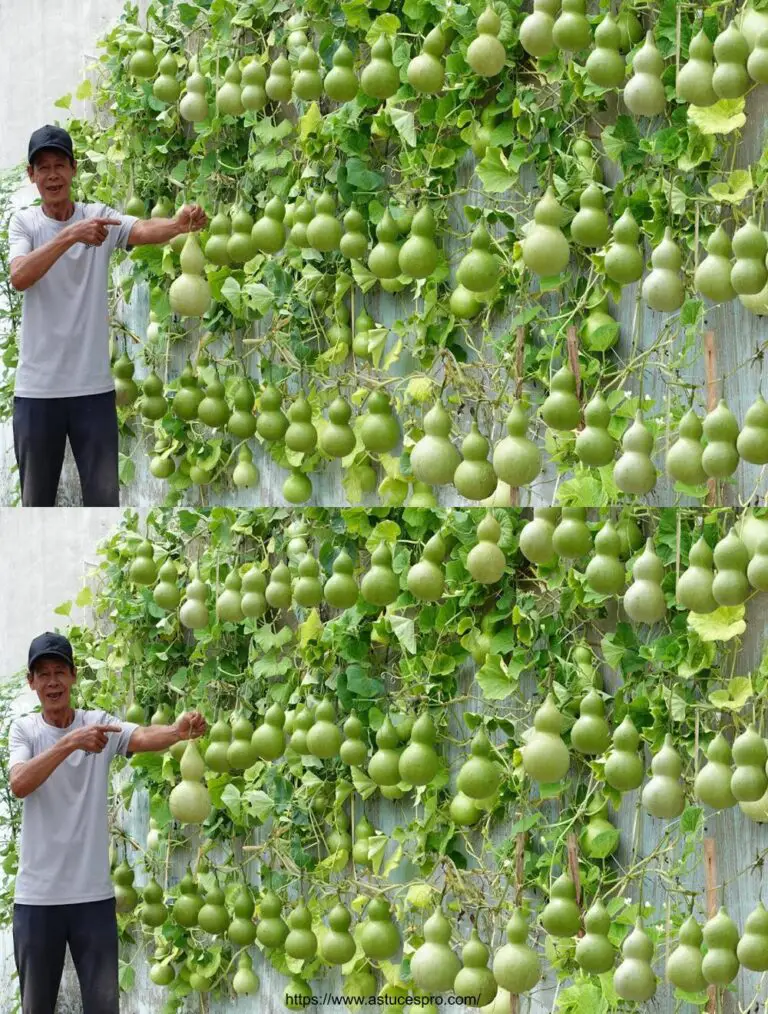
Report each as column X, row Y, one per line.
column 52, row 680
column 52, row 173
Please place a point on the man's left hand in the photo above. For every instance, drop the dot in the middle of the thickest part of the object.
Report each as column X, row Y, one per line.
column 191, row 218
column 191, row 725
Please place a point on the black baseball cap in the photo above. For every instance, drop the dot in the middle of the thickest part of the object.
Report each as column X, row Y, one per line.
column 50, row 137
column 47, row 645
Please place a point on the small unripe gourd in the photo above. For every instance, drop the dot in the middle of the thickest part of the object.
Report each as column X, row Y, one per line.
column 644, row 92
column 644, row 599
column 486, row 54
column 713, row 276
column 516, row 459
column 757, row 64
column 561, row 409
column 713, row 782
column 536, row 536
column 571, row 31
column 590, row 226
column 253, row 95
column 571, row 538
column 308, row 588
column 721, row 935
column 545, row 755
column 595, row 447
column 749, row 273
column 683, row 461
column 634, row 978
column 379, row 936
column 478, row 269
column 663, row 288
column 418, row 255
column 757, row 571
column 301, row 941
column 194, row 610
column 278, row 592
column 271, row 422
column 340, row 82
column 475, row 478
column 516, row 966
column 268, row 233
column 213, row 916
column 194, row 105
column 341, row 591
column 634, row 471
column 663, row 794
column 434, row 459
column 419, row 762
column 189, row 801
column 229, row 602
column 536, row 30
column 434, row 966
column 605, row 65
column 337, row 946
column 271, row 930
column 383, row 767
column 560, row 917
column 353, row 750
column 143, row 63
column 426, row 580
column 624, row 256
column 426, row 73
column 590, row 733
column 380, row 78
column 486, row 561
column 241, row 753
column 730, row 586
column 379, row 428
column 730, row 79
column 749, row 781
column 752, row 442
column 694, row 586
column 721, row 457
column 278, row 83
column 479, row 776
column 694, row 80
column 307, row 83
column 752, row 949
column 545, row 248
column 166, row 88
column 624, row 767
column 605, row 571
column 475, row 979
column 380, row 585
column 684, row 963
column 268, row 739
column 152, row 911
column 595, row 953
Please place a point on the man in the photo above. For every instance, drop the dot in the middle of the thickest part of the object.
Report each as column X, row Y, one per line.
column 59, row 256
column 59, row 765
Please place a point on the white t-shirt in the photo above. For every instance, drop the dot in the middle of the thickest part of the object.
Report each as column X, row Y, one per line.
column 64, row 855
column 64, row 341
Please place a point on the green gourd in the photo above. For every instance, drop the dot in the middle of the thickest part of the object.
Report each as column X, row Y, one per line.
column 268, row 233
column 302, row 723
column 188, row 903
column 712, row 785
column 634, row 978
column 229, row 97
column 242, row 930
column 757, row 64
column 598, row 838
column 364, row 831
column 663, row 288
column 516, row 459
column 278, row 591
column 475, row 979
column 590, row 733
column 152, row 911
column 486, row 54
column 464, row 304
column 152, row 404
column 644, row 92
column 749, row 781
column 634, row 472
column 694, row 80
column 434, row 459
column 380, row 585
column 219, row 231
column 545, row 248
column 193, row 106
column 560, row 917
column 228, row 603
column 595, row 447
column 302, row 216
column 605, row 65
column 136, row 714
column 516, row 966
column 624, row 257
column 721, row 457
column 752, row 442
column 341, row 591
column 590, row 226
column 353, row 750
column 216, row 755
column 324, row 738
column 694, row 586
column 337, row 946
column 380, row 78
column 478, row 270
column 240, row 245
column 572, row 538
column 354, row 242
column 599, row 331
column 475, row 478
column 166, row 88
column 426, row 73
column 418, row 255
column 757, row 571
column 308, row 588
column 479, row 776
column 278, row 83
column 242, row 422
column 752, row 949
column 684, row 963
column 419, row 762
column 730, row 586
column 644, row 600
column 194, row 610
column 536, row 30
column 189, row 801
column 298, row 994
column 240, row 752
column 536, row 536
column 271, row 930
column 486, row 561
column 253, row 601
column 605, row 571
column 379, row 936
column 143, row 63
column 384, row 258
column 126, row 389
column 713, row 276
column 434, row 965
column 383, row 767
column 561, row 409
column 301, row 942
column 720, row 965
column 253, row 95
column 464, row 811
column 301, row 435
column 268, row 740
column 589, row 170
column 213, row 409
column 663, row 794
column 143, row 569
column 271, row 423
column 324, row 230
column 379, row 428
column 683, row 461
column 595, row 953
column 571, row 31
column 126, row 896
column 245, row 982
column 545, row 756
column 426, row 580
column 307, row 83
column 341, row 84
column 730, row 79
column 750, row 246
column 624, row 767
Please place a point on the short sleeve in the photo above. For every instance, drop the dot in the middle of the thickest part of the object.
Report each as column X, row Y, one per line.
column 19, row 747
column 19, row 237
column 118, row 741
column 118, row 234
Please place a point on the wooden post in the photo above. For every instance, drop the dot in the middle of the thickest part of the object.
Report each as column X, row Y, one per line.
column 573, row 357
column 514, row 492
column 519, row 864
column 710, row 367
column 710, row 877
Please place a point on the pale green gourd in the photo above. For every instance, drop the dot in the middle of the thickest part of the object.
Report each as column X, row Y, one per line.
column 634, row 978
column 475, row 478
column 663, row 289
column 307, row 82
column 194, row 610
column 341, row 591
column 536, row 30
column 694, row 80
column 479, row 775
column 595, row 447
column 545, row 756
column 229, row 602
column 268, row 233
column 516, row 459
column 605, row 65
column 684, row 963
column 475, row 979
column 683, row 461
column 278, row 83
column 337, row 946
column 301, row 942
column 268, row 740
column 383, row 767
column 752, row 441
column 545, row 248
column 572, row 538
column 644, row 92
column 757, row 64
column 590, row 733
column 190, row 293
column 379, row 428
column 253, row 96
column 143, row 63
column 486, row 54
column 229, row 97
column 605, row 571
column 419, row 761
column 694, row 586
column 749, row 781
column 571, row 31
column 353, row 750
column 644, row 600
column 166, row 88
column 752, row 949
column 426, row 579
column 434, row 459
column 380, row 78
column 324, row 230
column 384, row 258
column 278, row 591
column 712, row 785
column 354, row 241
column 590, row 226
column 536, row 536
column 380, row 585
column 434, row 965
column 341, row 84
column 426, row 73
column 560, row 917
column 271, row 422
column 731, row 50
column 713, row 275
column 418, row 255
column 624, row 767
column 595, row 953
column 730, row 586
column 721, row 936
column 486, row 561
column 561, row 409
column 624, row 256
column 750, row 246
column 324, row 737
column 757, row 571
column 634, row 471
column 338, row 439
column 721, row 457
column 663, row 795
column 478, row 270
column 379, row 936
column 193, row 106
column 516, row 966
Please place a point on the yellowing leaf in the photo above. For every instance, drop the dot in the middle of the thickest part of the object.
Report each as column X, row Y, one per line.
column 735, row 187
column 723, row 117
column 723, row 624
column 84, row 89
column 311, row 629
column 310, row 121
column 420, row 895
column 420, row 389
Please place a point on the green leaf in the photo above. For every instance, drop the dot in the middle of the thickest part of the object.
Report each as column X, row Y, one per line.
column 311, row 629
column 310, row 121
column 691, row 819
column 493, row 679
column 723, row 117
column 404, row 124
column 230, row 290
column 735, row 188
column 259, row 804
column 230, row 797
column 84, row 597
column 64, row 609
column 404, row 630
column 604, row 844
column 64, row 102
column 494, row 172
column 735, row 696
column 84, row 89
column 723, row 624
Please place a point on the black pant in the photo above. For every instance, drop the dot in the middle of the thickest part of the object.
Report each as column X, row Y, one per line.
column 40, row 936
column 40, row 430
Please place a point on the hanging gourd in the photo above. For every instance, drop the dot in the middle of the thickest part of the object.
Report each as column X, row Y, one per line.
column 712, row 785
column 166, row 88
column 634, row 978
column 307, row 83
column 229, row 97
column 228, row 603
column 599, row 330
column 694, row 79
column 644, row 600
column 338, row 439
column 240, row 245
column 271, row 423
column 571, row 31
column 426, row 73
column 516, row 459
column 219, row 232
column 278, row 83
column 278, row 591
column 193, row 106
column 268, row 233
column 434, row 965
column 572, row 538
column 354, row 242
column 324, row 230
column 426, row 580
column 750, row 246
column 516, row 966
column 624, row 257
column 713, row 276
column 757, row 64
column 475, row 979
column 384, row 258
column 242, row 422
column 434, row 459
column 757, row 571
column 644, row 92
column 380, row 78
column 595, row 953
column 324, row 738
column 749, row 781
column 380, row 585
column 561, row 409
column 683, row 461
column 143, row 63
column 341, row 84
column 194, row 611
column 301, row 942
column 730, row 586
column 598, row 838
column 337, row 946
column 486, row 561
column 419, row 762
column 605, row 571
column 663, row 288
column 271, row 930
column 595, row 447
column 545, row 755
column 590, row 226
column 353, row 750
column 190, row 293
column 605, row 65
column 590, row 733
column 479, row 776
column 752, row 949
column 560, row 917
column 663, row 794
column 379, row 936
column 418, row 255
column 545, row 248
column 340, row 589
column 730, row 79
column 684, row 963
column 536, row 536
column 634, row 472
column 253, row 95
column 308, row 588
column 694, row 586
column 536, row 30
column 752, row 442
column 478, row 270
column 624, row 766
column 721, row 457
column 213, row 409
column 721, row 936
column 475, row 478
column 486, row 54
column 302, row 216
column 301, row 435
column 379, row 428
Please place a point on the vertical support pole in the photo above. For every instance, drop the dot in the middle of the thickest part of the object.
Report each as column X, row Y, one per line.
column 710, row 367
column 514, row 493
column 710, row 876
column 573, row 357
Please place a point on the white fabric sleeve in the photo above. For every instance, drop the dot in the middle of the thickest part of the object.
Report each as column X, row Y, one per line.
column 118, row 234
column 117, row 741
column 19, row 239
column 19, row 747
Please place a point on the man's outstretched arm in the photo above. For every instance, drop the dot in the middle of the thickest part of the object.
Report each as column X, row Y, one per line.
column 152, row 231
